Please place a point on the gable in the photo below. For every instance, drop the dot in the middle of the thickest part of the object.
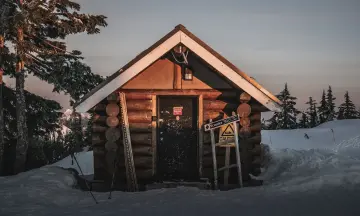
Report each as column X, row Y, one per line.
column 164, row 73
column 158, row 50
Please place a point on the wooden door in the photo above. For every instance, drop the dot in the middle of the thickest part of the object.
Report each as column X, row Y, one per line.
column 177, row 157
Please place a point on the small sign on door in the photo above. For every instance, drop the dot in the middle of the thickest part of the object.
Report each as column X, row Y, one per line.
column 177, row 111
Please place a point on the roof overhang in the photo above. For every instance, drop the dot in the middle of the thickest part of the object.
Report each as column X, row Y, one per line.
column 124, row 75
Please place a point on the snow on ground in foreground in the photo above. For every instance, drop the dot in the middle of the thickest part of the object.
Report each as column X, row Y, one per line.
column 324, row 180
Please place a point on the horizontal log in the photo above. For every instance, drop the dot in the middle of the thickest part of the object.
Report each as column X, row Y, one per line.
column 139, row 161
column 134, row 128
column 141, row 174
column 133, row 116
column 139, row 127
column 138, row 150
column 258, row 108
column 218, row 105
column 131, row 104
column 96, row 128
column 98, row 139
column 99, row 151
column 141, row 138
column 257, row 150
column 215, row 115
column 207, row 94
column 100, row 107
column 254, row 117
column 139, row 105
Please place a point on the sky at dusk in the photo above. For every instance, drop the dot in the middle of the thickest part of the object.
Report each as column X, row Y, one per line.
column 309, row 44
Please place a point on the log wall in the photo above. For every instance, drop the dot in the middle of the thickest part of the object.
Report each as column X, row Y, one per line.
column 140, row 110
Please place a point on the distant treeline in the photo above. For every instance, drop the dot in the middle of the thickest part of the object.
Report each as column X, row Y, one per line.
column 316, row 113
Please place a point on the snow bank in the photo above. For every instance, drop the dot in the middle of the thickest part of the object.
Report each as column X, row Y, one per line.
column 324, row 136
column 85, row 160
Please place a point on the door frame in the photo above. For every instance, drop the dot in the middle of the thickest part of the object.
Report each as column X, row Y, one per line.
column 199, row 121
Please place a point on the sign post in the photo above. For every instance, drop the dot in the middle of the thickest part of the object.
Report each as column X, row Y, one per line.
column 228, row 131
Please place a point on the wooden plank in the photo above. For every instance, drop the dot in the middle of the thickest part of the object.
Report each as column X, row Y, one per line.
column 227, row 163
column 212, row 125
column 237, row 150
column 208, row 94
column 139, row 105
column 213, row 147
column 153, row 133
column 200, row 132
column 177, row 76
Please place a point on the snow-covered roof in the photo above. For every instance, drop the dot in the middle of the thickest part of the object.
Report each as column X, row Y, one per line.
column 179, row 35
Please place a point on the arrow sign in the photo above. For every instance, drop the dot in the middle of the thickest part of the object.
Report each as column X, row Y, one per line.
column 221, row 122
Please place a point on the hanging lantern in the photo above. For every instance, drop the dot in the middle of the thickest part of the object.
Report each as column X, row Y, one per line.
column 188, row 74
column 180, row 49
column 2, row 41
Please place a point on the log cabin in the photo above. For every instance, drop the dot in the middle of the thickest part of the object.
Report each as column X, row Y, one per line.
column 171, row 90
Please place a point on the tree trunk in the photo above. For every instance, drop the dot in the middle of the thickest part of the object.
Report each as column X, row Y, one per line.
column 2, row 142
column 22, row 133
column 3, row 15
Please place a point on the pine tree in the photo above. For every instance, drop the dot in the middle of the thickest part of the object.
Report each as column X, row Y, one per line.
column 304, row 122
column 286, row 119
column 347, row 109
column 322, row 109
column 42, row 118
column 312, row 113
column 330, row 101
column 37, row 29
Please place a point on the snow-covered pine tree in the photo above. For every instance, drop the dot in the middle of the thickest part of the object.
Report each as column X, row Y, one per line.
column 286, row 119
column 347, row 109
column 304, row 122
column 322, row 109
column 312, row 113
column 37, row 29
column 330, row 101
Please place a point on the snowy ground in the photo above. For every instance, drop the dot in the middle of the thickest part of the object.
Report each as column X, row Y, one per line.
column 314, row 176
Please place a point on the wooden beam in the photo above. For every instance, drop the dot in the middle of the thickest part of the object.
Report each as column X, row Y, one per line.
column 177, row 76
column 153, row 134
column 200, row 132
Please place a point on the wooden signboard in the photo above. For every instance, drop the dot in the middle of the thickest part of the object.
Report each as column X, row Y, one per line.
column 221, row 122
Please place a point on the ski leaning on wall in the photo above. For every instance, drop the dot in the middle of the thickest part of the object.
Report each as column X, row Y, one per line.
column 129, row 158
